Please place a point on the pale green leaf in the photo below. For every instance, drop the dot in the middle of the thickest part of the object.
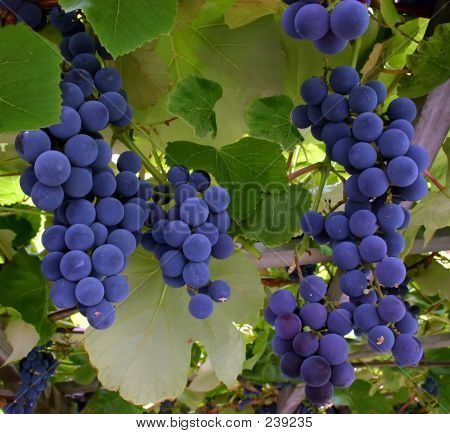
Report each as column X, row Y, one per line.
column 22, row 337
column 246, row 11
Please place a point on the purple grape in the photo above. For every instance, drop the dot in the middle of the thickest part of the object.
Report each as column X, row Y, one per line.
column 353, row 283
column 315, row 371
column 281, row 346
column 305, row 344
column 381, row 339
column 290, row 364
column 200, row 306
column 313, row 288
column 407, row 350
column 390, row 272
column 366, row 317
column 282, row 301
column 346, row 255
column 342, row 375
column 333, row 348
column 287, row 325
column 340, row 322
column 313, row 315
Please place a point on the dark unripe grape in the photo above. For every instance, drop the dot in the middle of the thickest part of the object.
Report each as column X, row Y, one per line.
column 372, row 249
column 331, row 43
column 305, row 344
column 340, row 322
column 288, row 20
column 62, row 294
column 346, row 256
column 315, row 371
column 201, row 306
column 223, row 248
column 82, row 79
column 353, row 283
column 312, row 22
column 313, row 315
column 282, row 301
column 373, row 182
column 402, row 108
column 290, row 364
column 281, row 346
column 390, row 272
column 342, row 375
column 367, row 127
column 312, row 223
column 349, row 20
column 380, row 90
column 299, row 117
column 108, row 80
column 313, row 288
column 80, row 211
column 407, row 350
column 31, row 144
column 313, row 91
column 337, row 227
column 407, row 325
column 391, row 308
column 363, row 99
column 69, row 126
column 102, row 315
column 419, row 155
column 287, row 325
column 344, row 79
column 335, row 107
column 178, row 175
column 390, row 217
column 366, row 317
column 47, row 198
column 333, row 348
column 196, row 274
column 381, row 339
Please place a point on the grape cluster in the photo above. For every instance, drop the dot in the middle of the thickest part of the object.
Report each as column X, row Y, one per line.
column 35, row 371
column 329, row 31
column 26, row 11
column 192, row 231
column 98, row 215
column 431, row 386
column 309, row 339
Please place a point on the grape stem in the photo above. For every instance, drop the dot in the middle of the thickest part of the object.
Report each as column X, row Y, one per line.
column 5, row 210
column 63, row 313
column 304, row 170
column 129, row 142
column 356, row 49
column 324, row 170
column 377, row 284
column 435, row 182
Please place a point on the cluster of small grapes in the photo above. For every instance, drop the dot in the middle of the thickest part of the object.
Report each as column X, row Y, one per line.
column 330, row 32
column 26, row 11
column 35, row 370
column 431, row 386
column 192, row 231
column 98, row 215
column 309, row 339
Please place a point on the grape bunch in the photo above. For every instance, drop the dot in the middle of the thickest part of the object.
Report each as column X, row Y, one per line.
column 98, row 216
column 431, row 386
column 310, row 339
column 26, row 11
column 193, row 230
column 329, row 31
column 35, row 371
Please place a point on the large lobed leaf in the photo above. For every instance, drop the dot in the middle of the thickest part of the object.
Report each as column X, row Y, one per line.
column 146, row 355
column 29, row 92
column 123, row 25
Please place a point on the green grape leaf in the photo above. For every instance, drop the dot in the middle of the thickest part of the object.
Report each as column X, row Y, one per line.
column 429, row 65
column 270, row 118
column 25, row 289
column 277, row 216
column 389, row 13
column 85, row 374
column 123, row 25
column 247, row 168
column 106, row 402
column 29, row 92
column 24, row 225
column 146, row 354
column 434, row 279
column 193, row 99
column 22, row 337
column 246, row 11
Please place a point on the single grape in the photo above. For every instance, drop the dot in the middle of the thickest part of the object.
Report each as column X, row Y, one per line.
column 107, row 260
column 200, row 306
column 82, row 43
column 62, row 294
column 172, row 263
column 129, row 162
column 340, row 322
column 116, row 289
column 178, row 175
column 319, row 395
column 373, row 182
column 342, row 375
column 108, row 80
column 362, row 155
column 344, row 79
column 208, row 230
column 315, row 371
column 196, row 274
column 367, row 127
column 102, row 315
column 391, row 309
column 287, row 325
column 133, row 218
column 372, row 249
column 30, row 14
column 75, row 265
column 94, row 115
column 103, row 157
column 336, row 226
column 305, row 344
column 331, row 43
column 89, row 291
column 335, row 107
column 174, row 282
column 126, row 119
column 313, row 288
column 281, row 346
column 353, row 191
column 419, row 155
column 124, row 240
column 390, row 217
column 200, row 180
column 290, row 364
column 217, row 199
column 175, row 233
column 288, row 17
column 346, row 255
column 282, row 301
column 369, row 297
column 313, row 315
column 79, row 237
column 53, row 238
column 366, row 317
column 86, row 61
column 299, row 117
column 116, row 105
column 269, row 315
column 316, row 116
column 334, row 131
column 47, row 198
column 349, row 20
column 395, row 243
column 79, row 183
column 402, row 108
column 341, row 151
column 50, row 266
column 380, row 90
column 197, row 248
column 348, row 306
column 100, row 233
column 333, row 348
column 390, row 272
column 312, row 223
column 353, row 283
column 80, row 211
column 223, row 248
column 381, row 339
column 81, row 150
column 313, row 91
column 407, row 325
column 363, row 99
column 27, row 180
column 69, row 126
column 312, row 22
column 31, row 144
column 407, row 350
column 82, row 79
column 104, row 184
column 414, row 192
column 219, row 291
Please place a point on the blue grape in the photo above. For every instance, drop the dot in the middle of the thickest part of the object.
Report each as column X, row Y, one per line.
column 62, row 294
column 197, row 248
column 342, row 375
column 319, row 395
column 127, row 183
column 353, row 191
column 367, row 127
column 72, row 95
column 366, row 317
column 340, row 322
column 390, row 217
column 373, row 182
column 148, row 242
column 31, row 144
column 194, row 211
column 403, row 125
column 341, row 151
column 363, row 99
column 223, row 248
column 282, row 301
column 94, row 115
column 116, row 289
column 133, row 218
column 336, row 226
column 45, row 197
column 312, row 22
column 290, row 364
column 200, row 180
column 126, row 119
column 381, row 339
column 79, row 237
column 407, row 325
column 100, row 233
column 393, row 143
column 344, row 79
column 346, row 256
column 312, row 223
column 305, row 344
column 402, row 171
column 183, row 192
column 69, row 126
column 107, row 260
column 281, row 346
column 221, row 221
column 104, row 184
column 313, row 91
column 288, row 20
column 353, row 283
column 269, row 315
column 50, row 265
column 174, row 282
column 103, row 157
column 335, row 107
column 380, row 90
column 316, row 116
column 75, row 265
column 331, row 43
column 52, row 168
column 61, row 20
column 101, row 316
column 108, row 80
column 129, row 162
column 208, row 230
column 333, row 348
column 172, row 263
column 115, row 104
column 12, row 5
column 158, row 231
column 348, row 306
column 80, row 211
column 390, row 272
column 124, row 240
column 89, row 291
column 419, row 155
column 287, row 325
column 196, row 274
column 201, row 306
column 53, row 238
column 175, row 233
column 80, row 182
column 219, row 291
column 316, row 132
column 407, row 350
column 64, row 48
column 349, row 20
column 363, row 223
column 334, row 131
column 217, row 199
column 313, row 315
column 82, row 79
column 395, row 243
column 82, row 43
column 178, row 175
column 145, row 190
column 299, row 117
column 86, row 61
column 30, row 14
column 402, row 108
column 372, row 249
column 81, row 150
column 362, row 155
column 313, row 288
column 370, row 297
column 414, row 192
column 315, row 371
column 391, row 308
column 27, row 180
